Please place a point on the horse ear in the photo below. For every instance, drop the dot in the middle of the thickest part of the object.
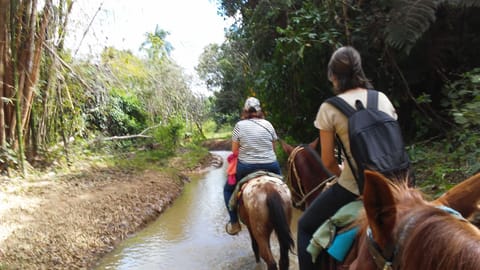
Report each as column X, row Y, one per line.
column 464, row 197
column 286, row 147
column 379, row 202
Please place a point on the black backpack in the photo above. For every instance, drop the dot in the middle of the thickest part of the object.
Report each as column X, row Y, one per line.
column 375, row 137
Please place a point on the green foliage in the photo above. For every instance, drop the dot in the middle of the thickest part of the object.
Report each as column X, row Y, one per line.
column 141, row 160
column 462, row 97
column 279, row 54
column 209, row 68
column 131, row 93
column 411, row 50
column 464, row 108
column 156, row 45
column 226, row 72
column 185, row 158
column 126, row 114
column 123, row 69
column 438, row 165
column 295, row 78
column 169, row 136
column 8, row 158
column 123, row 114
column 409, row 20
column 192, row 155
column 215, row 131
column 310, row 28
column 457, row 156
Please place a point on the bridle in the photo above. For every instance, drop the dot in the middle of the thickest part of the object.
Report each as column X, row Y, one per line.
column 300, row 195
column 385, row 259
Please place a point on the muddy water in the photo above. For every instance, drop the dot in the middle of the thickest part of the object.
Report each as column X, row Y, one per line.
column 191, row 234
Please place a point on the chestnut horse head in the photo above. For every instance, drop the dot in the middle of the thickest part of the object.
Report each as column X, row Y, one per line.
column 402, row 230
column 306, row 174
column 266, row 206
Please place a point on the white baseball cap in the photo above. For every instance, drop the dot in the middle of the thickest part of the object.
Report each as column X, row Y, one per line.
column 252, row 102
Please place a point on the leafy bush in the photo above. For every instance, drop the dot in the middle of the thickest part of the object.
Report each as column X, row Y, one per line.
column 463, row 96
column 169, row 136
column 8, row 159
column 122, row 115
column 443, row 162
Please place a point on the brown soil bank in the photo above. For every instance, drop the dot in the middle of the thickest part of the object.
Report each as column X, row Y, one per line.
column 69, row 221
column 218, row 144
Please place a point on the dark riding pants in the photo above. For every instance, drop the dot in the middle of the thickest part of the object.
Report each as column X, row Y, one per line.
column 322, row 208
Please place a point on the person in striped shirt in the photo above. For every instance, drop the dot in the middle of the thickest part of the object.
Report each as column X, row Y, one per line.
column 253, row 141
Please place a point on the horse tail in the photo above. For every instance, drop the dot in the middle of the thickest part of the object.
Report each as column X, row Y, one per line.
column 278, row 218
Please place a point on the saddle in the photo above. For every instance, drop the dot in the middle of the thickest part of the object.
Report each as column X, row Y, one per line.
column 237, row 192
column 328, row 237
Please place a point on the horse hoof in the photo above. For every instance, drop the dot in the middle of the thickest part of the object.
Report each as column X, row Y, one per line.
column 233, row 229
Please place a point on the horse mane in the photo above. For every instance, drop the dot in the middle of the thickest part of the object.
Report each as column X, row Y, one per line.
column 438, row 240
column 428, row 237
column 310, row 160
column 402, row 178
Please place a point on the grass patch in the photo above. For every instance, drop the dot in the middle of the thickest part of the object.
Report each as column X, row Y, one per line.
column 441, row 164
column 186, row 156
column 212, row 131
column 191, row 156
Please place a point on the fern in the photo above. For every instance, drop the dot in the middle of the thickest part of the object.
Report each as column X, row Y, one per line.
column 410, row 19
column 464, row 3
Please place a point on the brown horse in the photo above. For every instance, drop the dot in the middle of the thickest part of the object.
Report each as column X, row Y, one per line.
column 306, row 174
column 402, row 230
column 265, row 206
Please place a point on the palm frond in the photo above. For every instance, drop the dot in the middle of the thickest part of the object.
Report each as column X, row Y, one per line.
column 464, row 3
column 409, row 19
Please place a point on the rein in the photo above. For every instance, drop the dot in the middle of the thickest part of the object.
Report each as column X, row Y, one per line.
column 293, row 171
column 317, row 187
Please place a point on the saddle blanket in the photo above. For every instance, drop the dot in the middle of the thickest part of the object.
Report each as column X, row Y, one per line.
column 232, row 204
column 326, row 237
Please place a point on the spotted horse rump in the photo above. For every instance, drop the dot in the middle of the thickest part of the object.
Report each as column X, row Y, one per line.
column 266, row 206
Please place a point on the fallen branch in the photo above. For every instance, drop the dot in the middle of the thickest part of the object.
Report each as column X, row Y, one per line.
column 140, row 135
column 122, row 137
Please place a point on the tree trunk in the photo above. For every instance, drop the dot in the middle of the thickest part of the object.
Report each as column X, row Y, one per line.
column 36, row 54
column 3, row 65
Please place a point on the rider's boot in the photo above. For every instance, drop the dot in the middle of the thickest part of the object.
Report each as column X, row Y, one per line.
column 233, row 228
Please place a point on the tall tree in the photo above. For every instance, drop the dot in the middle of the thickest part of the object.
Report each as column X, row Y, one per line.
column 410, row 50
column 156, row 44
column 24, row 36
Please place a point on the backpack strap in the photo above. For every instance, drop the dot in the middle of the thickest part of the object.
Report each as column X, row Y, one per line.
column 350, row 163
column 341, row 105
column 348, row 110
column 372, row 99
